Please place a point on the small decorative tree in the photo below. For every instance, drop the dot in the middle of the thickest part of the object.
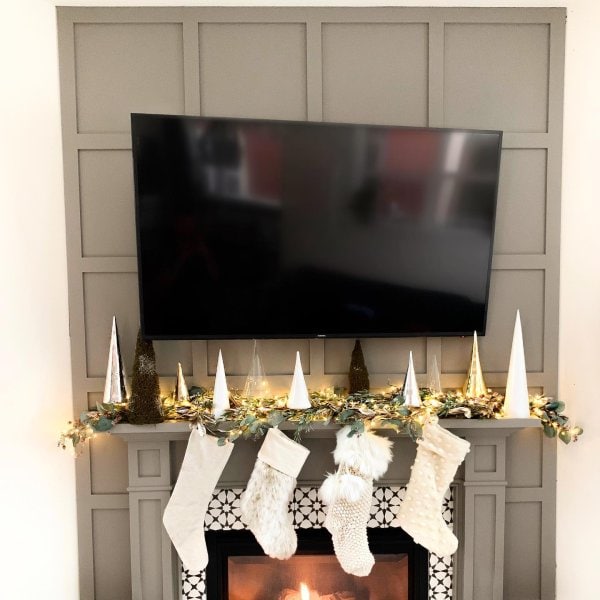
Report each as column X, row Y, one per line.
column 358, row 374
column 144, row 403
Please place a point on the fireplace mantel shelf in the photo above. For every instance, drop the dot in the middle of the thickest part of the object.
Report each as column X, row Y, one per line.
column 177, row 430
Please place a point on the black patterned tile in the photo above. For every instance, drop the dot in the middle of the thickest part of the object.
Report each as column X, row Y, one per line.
column 308, row 512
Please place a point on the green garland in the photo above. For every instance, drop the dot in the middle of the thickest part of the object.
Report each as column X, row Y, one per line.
column 252, row 417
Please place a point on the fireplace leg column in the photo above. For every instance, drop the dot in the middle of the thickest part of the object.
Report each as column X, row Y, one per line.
column 483, row 498
column 154, row 573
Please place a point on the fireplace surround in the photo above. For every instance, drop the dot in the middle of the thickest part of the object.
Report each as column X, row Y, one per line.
column 430, row 576
column 475, row 505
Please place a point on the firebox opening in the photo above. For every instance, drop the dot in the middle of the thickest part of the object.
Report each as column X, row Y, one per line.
column 315, row 577
column 239, row 570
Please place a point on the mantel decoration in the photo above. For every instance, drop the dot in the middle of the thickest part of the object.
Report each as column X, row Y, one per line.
column 245, row 416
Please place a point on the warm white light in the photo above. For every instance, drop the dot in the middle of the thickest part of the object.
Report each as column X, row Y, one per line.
column 304, row 593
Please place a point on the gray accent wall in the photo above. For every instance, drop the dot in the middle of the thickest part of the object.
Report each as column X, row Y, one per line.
column 480, row 68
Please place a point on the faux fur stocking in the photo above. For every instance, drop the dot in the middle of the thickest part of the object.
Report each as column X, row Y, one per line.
column 439, row 454
column 349, row 493
column 264, row 504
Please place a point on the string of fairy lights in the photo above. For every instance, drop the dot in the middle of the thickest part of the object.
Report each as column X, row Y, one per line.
column 250, row 418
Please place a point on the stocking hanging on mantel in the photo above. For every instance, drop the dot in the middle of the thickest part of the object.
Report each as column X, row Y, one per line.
column 115, row 389
column 264, row 506
column 410, row 389
column 433, row 379
column 257, row 385
column 439, row 454
column 474, row 384
column 182, row 393
column 183, row 518
column 516, row 400
column 221, row 393
column 298, row 397
column 144, row 404
column 348, row 494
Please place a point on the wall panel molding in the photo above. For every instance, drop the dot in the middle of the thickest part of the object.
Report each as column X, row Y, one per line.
column 322, row 79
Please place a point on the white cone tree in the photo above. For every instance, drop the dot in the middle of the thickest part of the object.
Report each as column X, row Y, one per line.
column 182, row 393
column 298, row 397
column 516, row 401
column 221, row 393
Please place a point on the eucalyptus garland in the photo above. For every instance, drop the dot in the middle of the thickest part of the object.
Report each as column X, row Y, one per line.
column 250, row 418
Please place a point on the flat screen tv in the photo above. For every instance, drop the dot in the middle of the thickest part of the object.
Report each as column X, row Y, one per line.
column 278, row 229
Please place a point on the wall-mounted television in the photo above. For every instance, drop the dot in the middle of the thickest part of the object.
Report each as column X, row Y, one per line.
column 277, row 229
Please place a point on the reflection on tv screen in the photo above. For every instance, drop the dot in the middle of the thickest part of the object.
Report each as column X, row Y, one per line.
column 250, row 228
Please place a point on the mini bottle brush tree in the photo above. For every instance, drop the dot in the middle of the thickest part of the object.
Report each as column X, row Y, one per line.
column 144, row 403
column 358, row 374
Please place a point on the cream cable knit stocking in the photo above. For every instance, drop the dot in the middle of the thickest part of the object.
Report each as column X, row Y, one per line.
column 349, row 493
column 264, row 504
column 183, row 518
column 439, row 454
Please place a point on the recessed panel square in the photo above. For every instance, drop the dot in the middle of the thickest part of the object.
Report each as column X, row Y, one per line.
column 496, row 76
column 253, row 70
column 375, row 73
column 122, row 68
column 521, row 211
column 382, row 355
column 510, row 290
column 107, row 206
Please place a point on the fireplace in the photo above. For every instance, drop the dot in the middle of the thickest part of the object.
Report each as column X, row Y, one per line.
column 230, row 545
column 476, row 505
column 238, row 569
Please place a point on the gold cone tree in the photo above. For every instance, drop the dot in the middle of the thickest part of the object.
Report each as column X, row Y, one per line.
column 474, row 384
column 144, row 403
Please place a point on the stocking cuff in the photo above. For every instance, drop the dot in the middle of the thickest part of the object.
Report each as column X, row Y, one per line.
column 282, row 453
column 443, row 442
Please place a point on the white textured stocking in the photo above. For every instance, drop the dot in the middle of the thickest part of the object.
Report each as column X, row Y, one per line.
column 439, row 454
column 202, row 466
column 349, row 493
column 264, row 504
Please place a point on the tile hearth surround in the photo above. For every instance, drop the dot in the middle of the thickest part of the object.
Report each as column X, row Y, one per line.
column 308, row 512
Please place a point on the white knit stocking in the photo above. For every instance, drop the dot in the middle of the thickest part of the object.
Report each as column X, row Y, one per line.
column 349, row 493
column 183, row 518
column 264, row 504
column 439, row 454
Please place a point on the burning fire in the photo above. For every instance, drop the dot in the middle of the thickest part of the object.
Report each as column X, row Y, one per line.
column 304, row 593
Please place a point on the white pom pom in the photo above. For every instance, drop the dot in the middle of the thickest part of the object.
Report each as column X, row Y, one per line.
column 352, row 487
column 327, row 491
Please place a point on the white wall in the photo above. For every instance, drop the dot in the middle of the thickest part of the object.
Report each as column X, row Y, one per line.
column 37, row 505
column 37, row 502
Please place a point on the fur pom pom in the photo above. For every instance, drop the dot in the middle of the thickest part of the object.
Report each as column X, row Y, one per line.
column 343, row 487
column 327, row 491
column 368, row 453
column 352, row 487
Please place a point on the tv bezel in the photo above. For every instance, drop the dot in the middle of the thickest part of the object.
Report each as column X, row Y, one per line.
column 349, row 335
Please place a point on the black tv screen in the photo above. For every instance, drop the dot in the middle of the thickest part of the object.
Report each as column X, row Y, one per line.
column 263, row 229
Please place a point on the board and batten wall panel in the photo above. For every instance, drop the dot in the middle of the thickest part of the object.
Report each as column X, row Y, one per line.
column 480, row 68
